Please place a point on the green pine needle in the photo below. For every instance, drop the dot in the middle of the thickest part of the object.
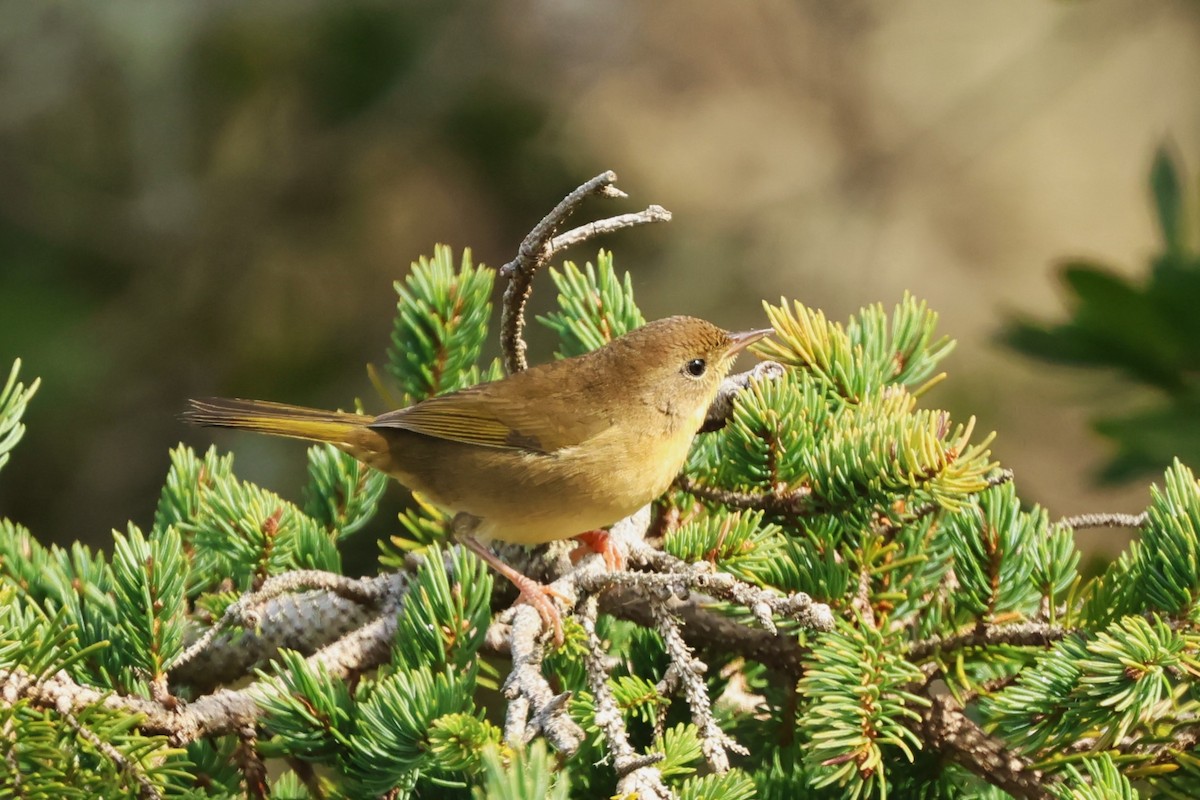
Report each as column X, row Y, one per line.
column 1107, row 687
column 860, row 712
column 149, row 582
column 595, row 306
column 681, row 749
column 342, row 493
column 391, row 739
column 441, row 325
column 995, row 546
column 288, row 786
column 444, row 623
column 738, row 543
column 237, row 530
column 531, row 773
column 1098, row 780
column 308, row 712
column 1167, row 571
column 866, row 354
column 424, row 523
column 456, row 742
column 14, row 397
column 732, row 785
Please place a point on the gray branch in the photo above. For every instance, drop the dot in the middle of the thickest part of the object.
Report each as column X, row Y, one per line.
column 688, row 671
column 540, row 245
column 1024, row 634
column 637, row 775
column 1105, row 520
column 945, row 729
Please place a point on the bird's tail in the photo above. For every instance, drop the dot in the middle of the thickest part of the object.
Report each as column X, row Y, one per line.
column 278, row 419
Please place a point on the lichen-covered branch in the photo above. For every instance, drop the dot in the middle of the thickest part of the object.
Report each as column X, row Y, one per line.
column 533, row 706
column 302, row 610
column 1104, row 520
column 688, row 671
column 637, row 774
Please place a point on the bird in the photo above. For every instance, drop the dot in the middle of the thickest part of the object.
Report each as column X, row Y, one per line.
column 560, row 448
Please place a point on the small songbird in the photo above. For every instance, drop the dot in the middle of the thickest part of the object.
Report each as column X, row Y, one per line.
column 562, row 447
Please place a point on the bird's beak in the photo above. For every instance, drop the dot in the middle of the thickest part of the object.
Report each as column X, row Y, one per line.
column 744, row 339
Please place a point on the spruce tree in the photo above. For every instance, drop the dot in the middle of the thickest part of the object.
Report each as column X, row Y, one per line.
column 842, row 596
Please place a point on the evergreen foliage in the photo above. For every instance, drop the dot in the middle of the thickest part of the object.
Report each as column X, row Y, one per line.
column 13, row 399
column 834, row 480
column 1147, row 331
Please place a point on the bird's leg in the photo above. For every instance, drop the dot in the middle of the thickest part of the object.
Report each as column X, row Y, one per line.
column 599, row 541
column 535, row 594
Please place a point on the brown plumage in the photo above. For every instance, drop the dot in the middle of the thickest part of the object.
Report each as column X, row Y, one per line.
column 544, row 454
column 560, row 448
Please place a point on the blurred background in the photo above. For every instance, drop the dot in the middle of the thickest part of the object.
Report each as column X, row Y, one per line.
column 215, row 198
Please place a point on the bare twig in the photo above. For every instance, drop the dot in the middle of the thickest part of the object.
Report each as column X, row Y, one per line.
column 945, row 729
column 591, row 230
column 1025, row 634
column 1104, row 520
column 540, row 245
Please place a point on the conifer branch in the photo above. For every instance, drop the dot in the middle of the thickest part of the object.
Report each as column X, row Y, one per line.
column 673, row 577
column 533, row 706
column 1025, row 634
column 722, row 406
column 540, row 245
column 704, row 628
column 221, row 712
column 789, row 502
column 945, row 729
column 146, row 788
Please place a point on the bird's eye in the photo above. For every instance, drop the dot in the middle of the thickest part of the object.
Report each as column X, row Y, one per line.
column 695, row 367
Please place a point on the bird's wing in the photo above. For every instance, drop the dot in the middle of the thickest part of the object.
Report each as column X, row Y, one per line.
column 493, row 415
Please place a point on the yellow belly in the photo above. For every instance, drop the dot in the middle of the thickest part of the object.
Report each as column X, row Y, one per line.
column 531, row 498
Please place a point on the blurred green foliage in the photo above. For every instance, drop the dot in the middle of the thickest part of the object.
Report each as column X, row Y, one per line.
column 1148, row 330
column 205, row 199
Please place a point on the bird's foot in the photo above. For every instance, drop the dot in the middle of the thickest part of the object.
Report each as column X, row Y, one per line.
column 535, row 594
column 601, row 542
column 542, row 597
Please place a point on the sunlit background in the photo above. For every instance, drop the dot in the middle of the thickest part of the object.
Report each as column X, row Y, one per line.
column 215, row 198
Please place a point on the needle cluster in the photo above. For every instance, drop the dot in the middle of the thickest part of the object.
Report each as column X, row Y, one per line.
column 842, row 596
